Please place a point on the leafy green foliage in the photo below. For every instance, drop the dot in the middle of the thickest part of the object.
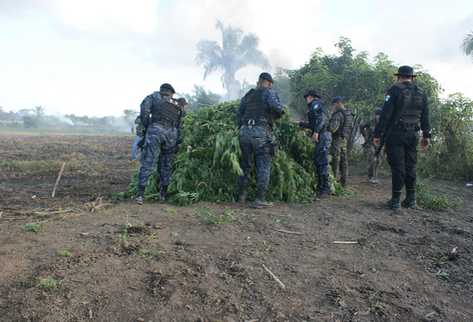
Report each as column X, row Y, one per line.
column 207, row 165
column 451, row 152
column 428, row 200
column 64, row 253
column 32, row 227
column 352, row 75
column 210, row 217
column 48, row 283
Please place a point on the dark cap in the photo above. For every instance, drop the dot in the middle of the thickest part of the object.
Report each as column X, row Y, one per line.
column 312, row 93
column 266, row 76
column 166, row 88
column 337, row 99
column 406, row 71
column 182, row 101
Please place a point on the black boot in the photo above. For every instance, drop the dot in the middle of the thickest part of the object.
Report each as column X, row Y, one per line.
column 260, row 201
column 325, row 187
column 241, row 194
column 140, row 194
column 410, row 201
column 163, row 193
column 395, row 202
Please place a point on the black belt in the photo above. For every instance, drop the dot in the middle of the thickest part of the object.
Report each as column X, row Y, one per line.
column 166, row 124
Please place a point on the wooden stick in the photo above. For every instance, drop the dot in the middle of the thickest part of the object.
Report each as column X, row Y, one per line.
column 345, row 242
column 288, row 232
column 58, row 179
column 281, row 284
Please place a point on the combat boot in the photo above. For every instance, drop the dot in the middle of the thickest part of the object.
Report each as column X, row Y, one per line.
column 410, row 201
column 260, row 201
column 140, row 195
column 324, row 191
column 241, row 194
column 163, row 193
column 395, row 202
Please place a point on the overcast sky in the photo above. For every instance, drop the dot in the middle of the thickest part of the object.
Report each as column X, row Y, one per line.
column 98, row 57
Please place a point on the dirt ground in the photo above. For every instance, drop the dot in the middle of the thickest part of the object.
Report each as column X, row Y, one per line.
column 158, row 262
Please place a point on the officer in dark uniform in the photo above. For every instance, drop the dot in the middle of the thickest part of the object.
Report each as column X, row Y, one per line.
column 258, row 109
column 341, row 126
column 318, row 125
column 160, row 116
column 404, row 113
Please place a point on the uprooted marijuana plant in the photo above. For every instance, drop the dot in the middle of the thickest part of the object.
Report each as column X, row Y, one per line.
column 207, row 166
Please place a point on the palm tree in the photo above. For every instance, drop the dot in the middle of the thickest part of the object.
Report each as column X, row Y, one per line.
column 468, row 44
column 236, row 51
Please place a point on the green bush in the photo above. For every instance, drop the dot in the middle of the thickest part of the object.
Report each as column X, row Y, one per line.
column 207, row 166
column 451, row 153
column 429, row 200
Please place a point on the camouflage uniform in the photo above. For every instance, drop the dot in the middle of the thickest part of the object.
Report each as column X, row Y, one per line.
column 340, row 129
column 318, row 122
column 162, row 124
column 370, row 151
column 255, row 120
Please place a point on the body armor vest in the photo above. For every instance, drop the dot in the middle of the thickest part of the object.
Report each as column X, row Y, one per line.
column 256, row 111
column 348, row 123
column 411, row 100
column 165, row 112
column 346, row 127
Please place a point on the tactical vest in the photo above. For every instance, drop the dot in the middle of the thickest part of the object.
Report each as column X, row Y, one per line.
column 256, row 111
column 165, row 112
column 346, row 127
column 411, row 101
column 348, row 123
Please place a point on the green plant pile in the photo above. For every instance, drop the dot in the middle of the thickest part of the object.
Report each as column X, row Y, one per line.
column 206, row 167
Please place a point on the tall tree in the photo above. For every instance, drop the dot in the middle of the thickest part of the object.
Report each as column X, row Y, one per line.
column 235, row 51
column 468, row 44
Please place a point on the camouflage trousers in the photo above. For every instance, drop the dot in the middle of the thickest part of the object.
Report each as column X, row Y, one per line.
column 159, row 148
column 256, row 144
column 321, row 154
column 339, row 154
column 373, row 161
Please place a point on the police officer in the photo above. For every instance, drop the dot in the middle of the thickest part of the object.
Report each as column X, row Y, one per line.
column 161, row 117
column 318, row 125
column 258, row 109
column 341, row 126
column 404, row 113
column 367, row 130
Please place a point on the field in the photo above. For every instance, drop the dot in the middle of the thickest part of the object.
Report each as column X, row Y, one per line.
column 82, row 256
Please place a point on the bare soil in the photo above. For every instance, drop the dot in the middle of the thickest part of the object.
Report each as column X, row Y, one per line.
column 159, row 262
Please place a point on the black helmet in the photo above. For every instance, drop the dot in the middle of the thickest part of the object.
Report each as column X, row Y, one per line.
column 266, row 76
column 406, row 71
column 312, row 93
column 166, row 88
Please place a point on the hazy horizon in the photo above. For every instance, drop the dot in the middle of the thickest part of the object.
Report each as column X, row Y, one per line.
column 98, row 58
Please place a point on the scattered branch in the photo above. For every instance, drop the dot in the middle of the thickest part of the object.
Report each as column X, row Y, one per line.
column 58, row 179
column 345, row 242
column 288, row 232
column 281, row 284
